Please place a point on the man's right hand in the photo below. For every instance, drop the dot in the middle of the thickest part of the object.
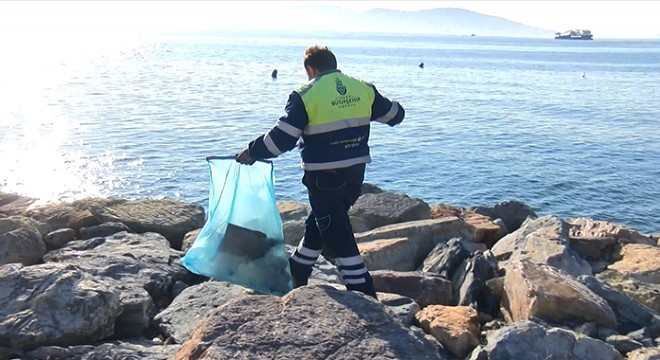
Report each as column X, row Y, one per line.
column 245, row 158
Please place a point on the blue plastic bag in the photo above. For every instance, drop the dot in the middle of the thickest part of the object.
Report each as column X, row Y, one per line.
column 241, row 241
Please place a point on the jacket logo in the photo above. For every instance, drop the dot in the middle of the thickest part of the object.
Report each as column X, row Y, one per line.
column 341, row 89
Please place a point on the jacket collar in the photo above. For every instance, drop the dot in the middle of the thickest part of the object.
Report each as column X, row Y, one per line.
column 319, row 75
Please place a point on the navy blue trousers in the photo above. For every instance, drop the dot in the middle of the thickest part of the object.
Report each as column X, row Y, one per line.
column 331, row 194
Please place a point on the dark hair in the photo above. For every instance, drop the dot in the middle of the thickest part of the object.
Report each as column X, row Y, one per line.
column 320, row 58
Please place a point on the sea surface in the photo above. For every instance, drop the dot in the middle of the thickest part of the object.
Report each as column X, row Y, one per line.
column 571, row 128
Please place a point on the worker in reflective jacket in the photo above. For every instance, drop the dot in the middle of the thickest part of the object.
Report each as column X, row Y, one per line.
column 328, row 118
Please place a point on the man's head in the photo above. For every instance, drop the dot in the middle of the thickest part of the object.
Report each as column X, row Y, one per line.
column 318, row 59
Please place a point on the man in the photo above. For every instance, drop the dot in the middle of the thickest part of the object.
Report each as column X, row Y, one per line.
column 330, row 115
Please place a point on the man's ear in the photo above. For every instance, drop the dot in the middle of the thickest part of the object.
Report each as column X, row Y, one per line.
column 311, row 71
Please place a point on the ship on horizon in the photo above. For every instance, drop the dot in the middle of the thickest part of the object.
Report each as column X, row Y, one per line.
column 574, row 35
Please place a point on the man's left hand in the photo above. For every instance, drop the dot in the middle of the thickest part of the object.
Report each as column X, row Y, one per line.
column 245, row 158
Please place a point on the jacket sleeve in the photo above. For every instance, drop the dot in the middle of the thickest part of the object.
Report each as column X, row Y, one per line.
column 385, row 111
column 284, row 135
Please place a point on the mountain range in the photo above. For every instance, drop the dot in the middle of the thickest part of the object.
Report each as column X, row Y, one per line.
column 441, row 21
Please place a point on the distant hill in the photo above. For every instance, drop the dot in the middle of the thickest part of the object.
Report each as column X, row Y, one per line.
column 441, row 21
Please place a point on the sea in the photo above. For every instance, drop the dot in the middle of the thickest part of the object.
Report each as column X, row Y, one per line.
column 570, row 128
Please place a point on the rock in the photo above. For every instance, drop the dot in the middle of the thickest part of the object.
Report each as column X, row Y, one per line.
column 530, row 341
column 170, row 218
column 12, row 223
column 72, row 215
column 542, row 241
column 541, row 291
column 457, row 328
column 444, row 210
column 141, row 266
column 388, row 208
column 317, row 321
column 359, row 224
column 129, row 350
column 623, row 343
column 645, row 293
column 102, row 230
column 487, row 231
column 639, row 261
column 179, row 319
column 58, row 238
column 410, row 242
column 370, row 189
column 513, row 213
column 189, row 239
column 469, row 283
column 425, row 288
column 595, row 248
column 630, row 314
column 399, row 254
column 645, row 354
column 291, row 210
column 446, row 257
column 54, row 304
column 13, row 204
column 402, row 307
column 293, row 231
column 582, row 227
column 21, row 246
column 58, row 352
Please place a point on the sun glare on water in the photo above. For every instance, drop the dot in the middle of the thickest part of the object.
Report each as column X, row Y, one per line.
column 41, row 53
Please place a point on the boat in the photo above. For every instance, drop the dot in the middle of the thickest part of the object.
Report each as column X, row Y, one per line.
column 575, row 35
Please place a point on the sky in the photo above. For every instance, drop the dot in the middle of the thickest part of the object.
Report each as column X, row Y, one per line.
column 606, row 19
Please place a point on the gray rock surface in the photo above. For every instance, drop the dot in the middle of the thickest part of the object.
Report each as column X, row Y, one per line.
column 54, row 304
column 313, row 322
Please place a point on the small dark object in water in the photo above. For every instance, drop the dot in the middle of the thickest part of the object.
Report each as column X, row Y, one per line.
column 274, row 74
column 421, row 65
column 244, row 242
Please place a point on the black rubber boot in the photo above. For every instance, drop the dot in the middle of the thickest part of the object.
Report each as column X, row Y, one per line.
column 365, row 288
column 299, row 273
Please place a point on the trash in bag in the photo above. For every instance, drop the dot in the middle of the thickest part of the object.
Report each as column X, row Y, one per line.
column 242, row 241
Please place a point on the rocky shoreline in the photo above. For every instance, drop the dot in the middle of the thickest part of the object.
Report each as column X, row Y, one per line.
column 101, row 279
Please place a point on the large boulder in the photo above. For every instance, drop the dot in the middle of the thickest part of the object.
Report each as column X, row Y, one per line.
column 582, row 227
column 179, row 319
column 541, row 291
column 15, row 222
column 404, row 246
column 142, row 267
column 23, row 246
column 542, row 241
column 630, row 314
column 60, row 215
column 639, row 261
column 14, row 204
column 424, row 288
column 54, row 304
column 456, row 327
column 530, row 341
column 513, row 213
column 315, row 322
column 643, row 292
column 380, row 209
column 170, row 218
